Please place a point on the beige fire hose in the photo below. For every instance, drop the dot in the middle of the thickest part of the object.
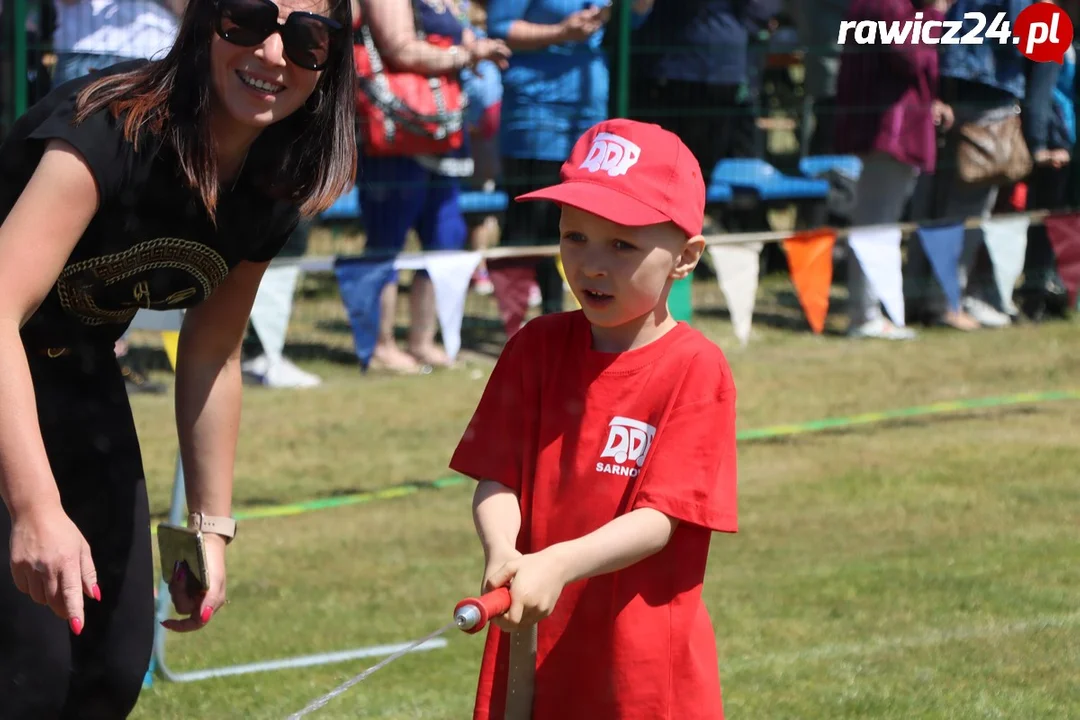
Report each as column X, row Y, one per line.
column 521, row 674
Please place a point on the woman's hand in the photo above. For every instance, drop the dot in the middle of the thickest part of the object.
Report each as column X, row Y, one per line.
column 943, row 115
column 482, row 49
column 195, row 602
column 581, row 25
column 1057, row 158
column 51, row 562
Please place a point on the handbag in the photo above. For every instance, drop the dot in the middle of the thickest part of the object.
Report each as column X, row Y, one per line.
column 405, row 113
column 992, row 151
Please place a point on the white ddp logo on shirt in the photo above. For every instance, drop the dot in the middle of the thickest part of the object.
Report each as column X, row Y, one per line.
column 628, row 441
column 612, row 153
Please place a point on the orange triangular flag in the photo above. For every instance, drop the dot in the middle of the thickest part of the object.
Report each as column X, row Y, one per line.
column 809, row 257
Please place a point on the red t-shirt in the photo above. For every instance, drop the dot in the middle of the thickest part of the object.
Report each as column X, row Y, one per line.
column 582, row 437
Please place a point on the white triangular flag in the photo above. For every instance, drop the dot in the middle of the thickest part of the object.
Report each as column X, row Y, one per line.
column 1006, row 243
column 878, row 252
column 737, row 269
column 451, row 273
column 273, row 307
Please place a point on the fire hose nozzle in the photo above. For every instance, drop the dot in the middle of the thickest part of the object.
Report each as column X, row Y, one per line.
column 472, row 614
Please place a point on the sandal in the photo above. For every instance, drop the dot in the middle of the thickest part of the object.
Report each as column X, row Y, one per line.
column 959, row 320
column 400, row 363
column 881, row 329
column 434, row 357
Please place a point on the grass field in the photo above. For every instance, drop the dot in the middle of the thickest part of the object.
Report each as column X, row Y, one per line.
column 923, row 569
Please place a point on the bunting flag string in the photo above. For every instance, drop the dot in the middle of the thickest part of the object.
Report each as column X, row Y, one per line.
column 809, row 255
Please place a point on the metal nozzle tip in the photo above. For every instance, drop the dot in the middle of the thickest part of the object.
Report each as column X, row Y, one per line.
column 467, row 617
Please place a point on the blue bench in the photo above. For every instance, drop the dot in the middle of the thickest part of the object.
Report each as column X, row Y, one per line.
column 478, row 202
column 765, row 182
column 347, row 207
column 718, row 192
column 813, row 166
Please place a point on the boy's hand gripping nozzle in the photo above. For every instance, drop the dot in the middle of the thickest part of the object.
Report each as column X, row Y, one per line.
column 472, row 614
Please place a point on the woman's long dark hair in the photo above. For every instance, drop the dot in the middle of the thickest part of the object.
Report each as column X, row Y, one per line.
column 311, row 154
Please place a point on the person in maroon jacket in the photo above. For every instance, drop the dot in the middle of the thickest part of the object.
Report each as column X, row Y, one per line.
column 891, row 113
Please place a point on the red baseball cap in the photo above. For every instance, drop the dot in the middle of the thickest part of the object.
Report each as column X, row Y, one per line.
column 631, row 173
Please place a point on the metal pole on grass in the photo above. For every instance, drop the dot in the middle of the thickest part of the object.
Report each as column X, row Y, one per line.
column 171, row 321
column 157, row 660
column 176, row 517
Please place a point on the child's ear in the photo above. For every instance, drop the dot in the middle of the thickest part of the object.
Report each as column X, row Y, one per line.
column 688, row 259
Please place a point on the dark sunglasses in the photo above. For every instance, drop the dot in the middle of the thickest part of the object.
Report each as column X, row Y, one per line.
column 305, row 36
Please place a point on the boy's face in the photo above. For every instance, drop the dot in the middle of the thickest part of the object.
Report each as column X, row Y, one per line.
column 621, row 274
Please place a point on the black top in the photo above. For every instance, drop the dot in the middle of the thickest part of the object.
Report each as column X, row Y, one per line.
column 151, row 244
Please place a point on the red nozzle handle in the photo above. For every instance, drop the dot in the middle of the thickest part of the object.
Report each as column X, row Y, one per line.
column 488, row 605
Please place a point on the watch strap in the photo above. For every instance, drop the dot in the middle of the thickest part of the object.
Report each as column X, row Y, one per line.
column 215, row 524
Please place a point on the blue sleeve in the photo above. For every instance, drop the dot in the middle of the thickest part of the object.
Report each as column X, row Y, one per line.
column 1015, row 8
column 501, row 14
column 1037, row 109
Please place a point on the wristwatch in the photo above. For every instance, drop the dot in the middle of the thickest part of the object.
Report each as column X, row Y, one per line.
column 223, row 526
column 461, row 55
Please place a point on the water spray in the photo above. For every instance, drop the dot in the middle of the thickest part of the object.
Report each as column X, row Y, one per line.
column 471, row 615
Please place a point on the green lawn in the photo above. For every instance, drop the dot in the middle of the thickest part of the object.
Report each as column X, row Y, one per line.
column 916, row 569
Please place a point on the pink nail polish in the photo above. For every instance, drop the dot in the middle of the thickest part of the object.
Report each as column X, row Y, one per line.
column 97, row 592
column 76, row 625
column 206, row 613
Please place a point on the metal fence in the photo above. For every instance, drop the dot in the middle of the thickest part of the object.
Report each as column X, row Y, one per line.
column 776, row 118
column 34, row 34
column 37, row 36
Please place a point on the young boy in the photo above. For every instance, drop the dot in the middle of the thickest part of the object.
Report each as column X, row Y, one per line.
column 604, row 447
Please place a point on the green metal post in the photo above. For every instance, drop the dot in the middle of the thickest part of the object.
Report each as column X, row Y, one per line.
column 622, row 86
column 680, row 300
column 19, row 54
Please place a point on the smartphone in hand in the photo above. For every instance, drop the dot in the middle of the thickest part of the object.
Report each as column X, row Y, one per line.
column 183, row 547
